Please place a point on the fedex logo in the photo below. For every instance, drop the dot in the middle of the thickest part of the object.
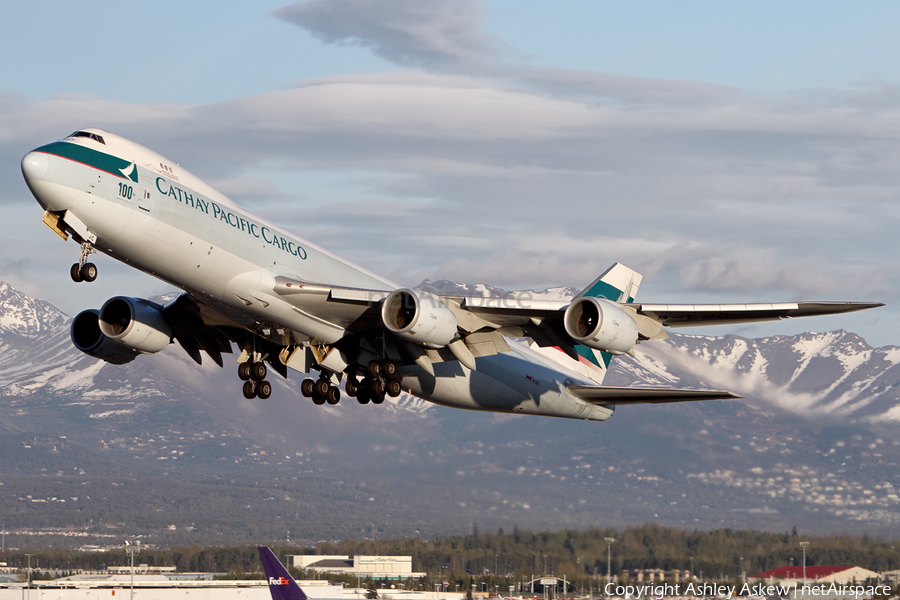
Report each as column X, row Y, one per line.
column 277, row 581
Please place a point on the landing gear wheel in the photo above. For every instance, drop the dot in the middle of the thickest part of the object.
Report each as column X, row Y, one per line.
column 377, row 391
column 318, row 399
column 263, row 389
column 333, row 396
column 88, row 272
column 321, row 387
column 258, row 371
column 389, row 368
column 244, row 371
column 75, row 273
column 307, row 388
column 363, row 395
column 394, row 388
column 351, row 387
column 249, row 390
column 373, row 369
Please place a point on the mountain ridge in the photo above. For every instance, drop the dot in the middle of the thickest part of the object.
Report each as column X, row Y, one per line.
column 819, row 408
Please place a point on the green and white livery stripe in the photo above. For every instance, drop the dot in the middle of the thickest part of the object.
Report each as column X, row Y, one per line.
column 92, row 158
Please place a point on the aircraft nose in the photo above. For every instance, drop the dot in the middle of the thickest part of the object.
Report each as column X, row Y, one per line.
column 35, row 165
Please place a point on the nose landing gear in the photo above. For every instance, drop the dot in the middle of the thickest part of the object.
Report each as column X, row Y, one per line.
column 83, row 270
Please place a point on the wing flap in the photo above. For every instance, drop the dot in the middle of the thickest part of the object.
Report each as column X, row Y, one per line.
column 636, row 395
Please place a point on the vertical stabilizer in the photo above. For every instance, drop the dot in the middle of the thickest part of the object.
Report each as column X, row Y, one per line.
column 281, row 585
column 617, row 284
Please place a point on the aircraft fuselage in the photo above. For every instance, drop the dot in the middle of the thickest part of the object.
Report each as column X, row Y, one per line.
column 143, row 209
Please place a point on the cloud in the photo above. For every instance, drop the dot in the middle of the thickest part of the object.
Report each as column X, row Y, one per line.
column 436, row 33
column 712, row 193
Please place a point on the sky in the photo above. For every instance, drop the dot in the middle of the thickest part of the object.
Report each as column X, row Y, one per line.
column 730, row 152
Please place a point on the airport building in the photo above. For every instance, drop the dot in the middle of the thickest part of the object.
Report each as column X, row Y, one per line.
column 676, row 575
column 793, row 574
column 376, row 567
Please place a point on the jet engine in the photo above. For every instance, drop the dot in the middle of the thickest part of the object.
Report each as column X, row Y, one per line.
column 87, row 337
column 135, row 323
column 419, row 317
column 600, row 325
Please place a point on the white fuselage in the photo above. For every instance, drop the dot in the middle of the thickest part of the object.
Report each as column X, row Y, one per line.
column 144, row 210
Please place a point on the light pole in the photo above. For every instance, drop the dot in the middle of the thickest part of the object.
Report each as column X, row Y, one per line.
column 743, row 576
column 804, row 545
column 691, row 574
column 132, row 549
column 28, row 576
column 609, row 542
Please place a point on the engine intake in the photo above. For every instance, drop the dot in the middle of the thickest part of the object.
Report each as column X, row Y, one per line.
column 600, row 325
column 87, row 337
column 135, row 323
column 419, row 317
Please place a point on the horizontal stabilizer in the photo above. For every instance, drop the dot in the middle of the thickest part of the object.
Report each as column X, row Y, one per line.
column 635, row 395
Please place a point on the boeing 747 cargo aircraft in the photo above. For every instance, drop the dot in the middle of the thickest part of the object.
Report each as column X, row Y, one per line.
column 286, row 303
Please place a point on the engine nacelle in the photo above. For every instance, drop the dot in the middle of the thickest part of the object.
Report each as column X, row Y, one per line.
column 135, row 323
column 87, row 337
column 600, row 325
column 419, row 317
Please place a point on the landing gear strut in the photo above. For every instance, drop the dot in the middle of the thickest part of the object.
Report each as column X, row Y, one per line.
column 253, row 374
column 83, row 270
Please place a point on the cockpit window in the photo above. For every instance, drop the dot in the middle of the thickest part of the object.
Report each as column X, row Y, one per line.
column 87, row 134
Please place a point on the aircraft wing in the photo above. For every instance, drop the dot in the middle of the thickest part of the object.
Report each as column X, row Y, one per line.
column 505, row 312
column 689, row 315
column 636, row 395
column 522, row 315
column 543, row 320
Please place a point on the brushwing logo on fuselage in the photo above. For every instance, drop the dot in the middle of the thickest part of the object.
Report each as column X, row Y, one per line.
column 130, row 172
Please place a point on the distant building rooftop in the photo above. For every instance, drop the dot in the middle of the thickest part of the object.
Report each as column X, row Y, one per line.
column 795, row 572
column 376, row 567
column 817, row 573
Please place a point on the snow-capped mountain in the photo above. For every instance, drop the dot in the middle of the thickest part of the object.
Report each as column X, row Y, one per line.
column 833, row 374
column 481, row 290
column 25, row 316
column 817, row 375
column 762, row 462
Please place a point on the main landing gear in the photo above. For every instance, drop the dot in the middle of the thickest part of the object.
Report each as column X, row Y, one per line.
column 380, row 380
column 253, row 375
column 83, row 270
column 320, row 391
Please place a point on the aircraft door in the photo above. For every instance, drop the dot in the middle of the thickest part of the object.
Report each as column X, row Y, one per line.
column 146, row 200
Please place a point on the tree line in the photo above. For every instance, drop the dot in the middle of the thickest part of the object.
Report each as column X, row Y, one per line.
column 489, row 561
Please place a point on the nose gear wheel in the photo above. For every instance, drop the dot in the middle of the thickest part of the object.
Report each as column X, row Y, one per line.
column 84, row 270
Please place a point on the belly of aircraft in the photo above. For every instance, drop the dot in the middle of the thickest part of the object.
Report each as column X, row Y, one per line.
column 509, row 382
